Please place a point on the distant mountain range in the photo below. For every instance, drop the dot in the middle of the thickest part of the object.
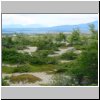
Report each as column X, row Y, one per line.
column 22, row 26
column 36, row 28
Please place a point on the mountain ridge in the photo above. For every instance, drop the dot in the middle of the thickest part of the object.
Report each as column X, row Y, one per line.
column 61, row 28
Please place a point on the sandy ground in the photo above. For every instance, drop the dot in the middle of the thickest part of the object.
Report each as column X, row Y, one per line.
column 46, row 78
column 28, row 50
column 61, row 51
column 9, row 65
column 77, row 51
column 65, row 61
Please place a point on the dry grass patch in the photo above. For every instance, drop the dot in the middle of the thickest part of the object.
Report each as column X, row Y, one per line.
column 24, row 78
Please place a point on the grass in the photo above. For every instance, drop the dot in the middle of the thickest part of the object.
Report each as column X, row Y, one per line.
column 24, row 78
column 40, row 68
column 33, row 68
column 8, row 70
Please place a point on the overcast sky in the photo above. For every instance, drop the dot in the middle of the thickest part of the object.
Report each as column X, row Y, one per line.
column 48, row 19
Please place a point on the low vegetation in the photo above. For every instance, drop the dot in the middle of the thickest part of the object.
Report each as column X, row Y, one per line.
column 69, row 56
column 4, row 82
column 24, row 78
column 82, row 68
column 28, row 68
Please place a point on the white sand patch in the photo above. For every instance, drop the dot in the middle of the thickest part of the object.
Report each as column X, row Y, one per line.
column 9, row 65
column 28, row 50
column 78, row 51
column 65, row 61
column 61, row 51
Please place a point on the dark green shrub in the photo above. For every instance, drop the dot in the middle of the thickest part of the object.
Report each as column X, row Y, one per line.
column 5, row 83
column 75, row 37
column 79, row 47
column 13, row 57
column 22, row 69
column 51, row 60
column 6, row 78
column 69, row 56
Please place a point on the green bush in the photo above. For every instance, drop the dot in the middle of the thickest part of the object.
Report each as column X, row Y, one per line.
column 61, row 37
column 51, row 60
column 62, row 80
column 43, row 53
column 7, row 42
column 22, row 69
column 75, row 37
column 46, row 44
column 13, row 57
column 86, row 65
column 80, row 47
column 5, row 83
column 69, row 55
column 64, row 67
column 6, row 78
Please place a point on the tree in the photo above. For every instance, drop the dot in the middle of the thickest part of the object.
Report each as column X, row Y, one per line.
column 89, row 61
column 86, row 65
column 69, row 55
column 7, row 42
column 92, row 28
column 75, row 37
column 61, row 37
column 93, row 31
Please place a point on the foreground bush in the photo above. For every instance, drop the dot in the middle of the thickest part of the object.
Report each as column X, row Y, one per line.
column 62, row 80
column 4, row 82
column 24, row 78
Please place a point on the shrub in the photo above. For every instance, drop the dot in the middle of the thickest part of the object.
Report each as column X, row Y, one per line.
column 41, row 57
column 38, row 60
column 61, row 37
column 6, row 78
column 12, row 56
column 61, row 70
column 46, row 44
column 42, row 53
column 22, row 68
column 24, row 78
column 75, row 37
column 62, row 80
column 79, row 47
column 64, row 67
column 51, row 60
column 69, row 56
column 7, row 42
column 4, row 82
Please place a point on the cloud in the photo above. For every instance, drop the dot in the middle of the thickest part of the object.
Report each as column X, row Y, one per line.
column 48, row 19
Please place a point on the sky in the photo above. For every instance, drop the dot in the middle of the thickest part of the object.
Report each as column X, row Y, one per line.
column 48, row 20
